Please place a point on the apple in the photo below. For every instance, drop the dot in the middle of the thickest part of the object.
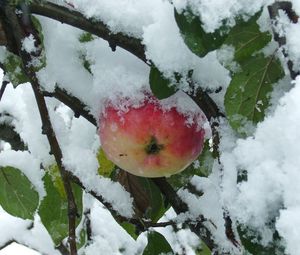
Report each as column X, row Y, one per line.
column 150, row 139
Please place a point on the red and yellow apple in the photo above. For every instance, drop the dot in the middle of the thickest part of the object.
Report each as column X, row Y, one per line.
column 149, row 140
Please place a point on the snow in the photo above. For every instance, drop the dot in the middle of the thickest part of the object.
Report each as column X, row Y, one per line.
column 270, row 155
column 15, row 248
column 105, row 239
column 28, row 44
column 29, row 166
column 272, row 162
column 213, row 14
column 24, row 233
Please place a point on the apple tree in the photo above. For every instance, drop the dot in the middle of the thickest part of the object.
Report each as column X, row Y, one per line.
column 75, row 68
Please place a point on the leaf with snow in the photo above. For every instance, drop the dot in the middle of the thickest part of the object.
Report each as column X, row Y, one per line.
column 14, row 69
column 194, row 36
column 17, row 195
column 251, row 242
column 247, row 96
column 247, row 38
column 160, row 86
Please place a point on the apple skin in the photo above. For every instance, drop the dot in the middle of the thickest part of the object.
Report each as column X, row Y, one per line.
column 148, row 140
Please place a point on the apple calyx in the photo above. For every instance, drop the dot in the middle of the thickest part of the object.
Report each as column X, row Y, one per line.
column 153, row 147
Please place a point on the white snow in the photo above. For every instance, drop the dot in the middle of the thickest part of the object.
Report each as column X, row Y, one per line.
column 270, row 155
column 272, row 162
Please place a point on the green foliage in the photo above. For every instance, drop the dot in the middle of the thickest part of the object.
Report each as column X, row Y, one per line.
column 247, row 39
column 201, row 167
column 17, row 195
column 106, row 167
column 194, row 36
column 130, row 229
column 157, row 245
column 53, row 171
column 81, row 238
column 156, row 207
column 160, row 86
column 53, row 209
column 203, row 250
column 251, row 242
column 13, row 67
column 86, row 37
column 247, row 96
column 148, row 200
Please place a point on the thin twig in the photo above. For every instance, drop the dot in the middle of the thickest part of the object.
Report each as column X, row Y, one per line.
column 47, row 128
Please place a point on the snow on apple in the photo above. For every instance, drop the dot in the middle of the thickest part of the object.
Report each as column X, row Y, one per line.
column 149, row 140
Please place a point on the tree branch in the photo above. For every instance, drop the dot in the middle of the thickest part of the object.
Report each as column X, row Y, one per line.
column 73, row 102
column 281, row 40
column 18, row 32
column 96, row 27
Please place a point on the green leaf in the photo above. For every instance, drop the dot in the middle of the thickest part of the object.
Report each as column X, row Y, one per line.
column 130, row 229
column 160, row 86
column 156, row 207
column 13, row 67
column 194, row 36
column 251, row 242
column 81, row 238
column 157, row 245
column 203, row 250
column 106, row 167
column 86, row 37
column 17, row 195
column 247, row 38
column 247, row 96
column 53, row 209
column 201, row 167
column 147, row 198
column 53, row 170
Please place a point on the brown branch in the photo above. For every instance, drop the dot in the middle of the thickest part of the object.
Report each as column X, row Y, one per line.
column 140, row 224
column 74, row 103
column 17, row 27
column 179, row 206
column 96, row 27
column 62, row 249
column 281, row 40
